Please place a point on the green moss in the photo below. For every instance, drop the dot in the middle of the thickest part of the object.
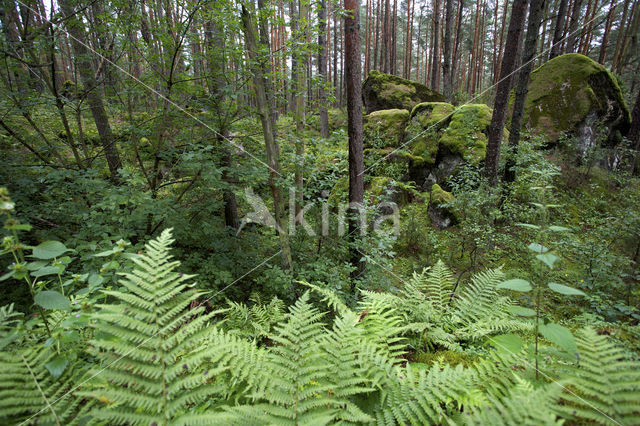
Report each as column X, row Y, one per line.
column 379, row 186
column 466, row 134
column 439, row 196
column 385, row 128
column 566, row 89
column 427, row 119
column 385, row 91
column 444, row 357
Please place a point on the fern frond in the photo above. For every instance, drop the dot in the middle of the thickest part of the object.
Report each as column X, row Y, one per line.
column 151, row 344
column 329, row 297
column 523, row 405
column 605, row 384
column 29, row 392
column 438, row 286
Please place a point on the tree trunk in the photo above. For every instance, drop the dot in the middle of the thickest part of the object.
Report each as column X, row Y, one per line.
column 446, row 65
column 496, row 128
column 436, row 46
column 87, row 75
column 456, row 46
column 634, row 135
column 558, row 31
column 607, row 30
column 354, row 126
column 406, row 71
column 322, row 68
column 572, row 37
column 621, row 32
column 496, row 71
column 535, row 17
column 259, row 72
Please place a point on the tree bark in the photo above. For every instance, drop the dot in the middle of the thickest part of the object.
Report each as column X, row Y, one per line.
column 446, row 65
column 634, row 135
column 271, row 144
column 558, row 31
column 435, row 72
column 535, row 17
column 456, row 46
column 322, row 68
column 496, row 128
column 354, row 126
column 572, row 37
column 87, row 75
column 607, row 30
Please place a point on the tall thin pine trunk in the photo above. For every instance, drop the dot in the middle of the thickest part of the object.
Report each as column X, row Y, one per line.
column 354, row 127
column 496, row 128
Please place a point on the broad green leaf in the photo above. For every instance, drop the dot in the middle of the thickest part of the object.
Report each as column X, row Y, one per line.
column 7, row 275
column 507, row 343
column 548, row 259
column 538, row 248
column 521, row 311
column 49, row 250
column 108, row 252
column 95, row 280
column 516, row 285
column 528, row 225
column 7, row 205
column 555, row 228
column 18, row 227
column 559, row 335
column 47, row 270
column 563, row 289
column 34, row 266
column 50, row 299
column 57, row 366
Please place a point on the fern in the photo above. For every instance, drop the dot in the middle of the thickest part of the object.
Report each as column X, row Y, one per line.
column 308, row 377
column 605, row 385
column 255, row 321
column 152, row 344
column 29, row 393
column 522, row 405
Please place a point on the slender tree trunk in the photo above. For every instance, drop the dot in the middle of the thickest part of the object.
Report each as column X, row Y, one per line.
column 435, row 73
column 367, row 38
column 354, row 125
column 572, row 37
column 322, row 68
column 496, row 71
column 446, row 65
column 394, row 43
column 558, row 31
column 87, row 75
column 474, row 49
column 456, row 47
column 535, row 17
column 406, row 72
column 496, row 128
column 271, row 145
column 607, row 30
column 634, row 135
column 621, row 31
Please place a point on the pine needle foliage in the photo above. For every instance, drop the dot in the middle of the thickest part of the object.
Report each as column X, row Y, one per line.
column 151, row 344
column 604, row 387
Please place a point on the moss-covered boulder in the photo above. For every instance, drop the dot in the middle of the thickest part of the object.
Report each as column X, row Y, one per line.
column 440, row 214
column 385, row 128
column 422, row 132
column 574, row 94
column 384, row 91
column 466, row 134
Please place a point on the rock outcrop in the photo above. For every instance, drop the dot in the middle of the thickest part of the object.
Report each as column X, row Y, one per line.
column 385, row 128
column 384, row 91
column 575, row 95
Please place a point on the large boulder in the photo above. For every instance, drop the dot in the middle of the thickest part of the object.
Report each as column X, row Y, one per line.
column 439, row 211
column 384, row 91
column 385, row 128
column 575, row 95
column 440, row 137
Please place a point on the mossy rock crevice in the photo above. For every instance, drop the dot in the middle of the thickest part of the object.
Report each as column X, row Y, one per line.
column 384, row 91
column 440, row 214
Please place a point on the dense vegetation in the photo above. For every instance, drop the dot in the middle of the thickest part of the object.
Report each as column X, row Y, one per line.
column 179, row 247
